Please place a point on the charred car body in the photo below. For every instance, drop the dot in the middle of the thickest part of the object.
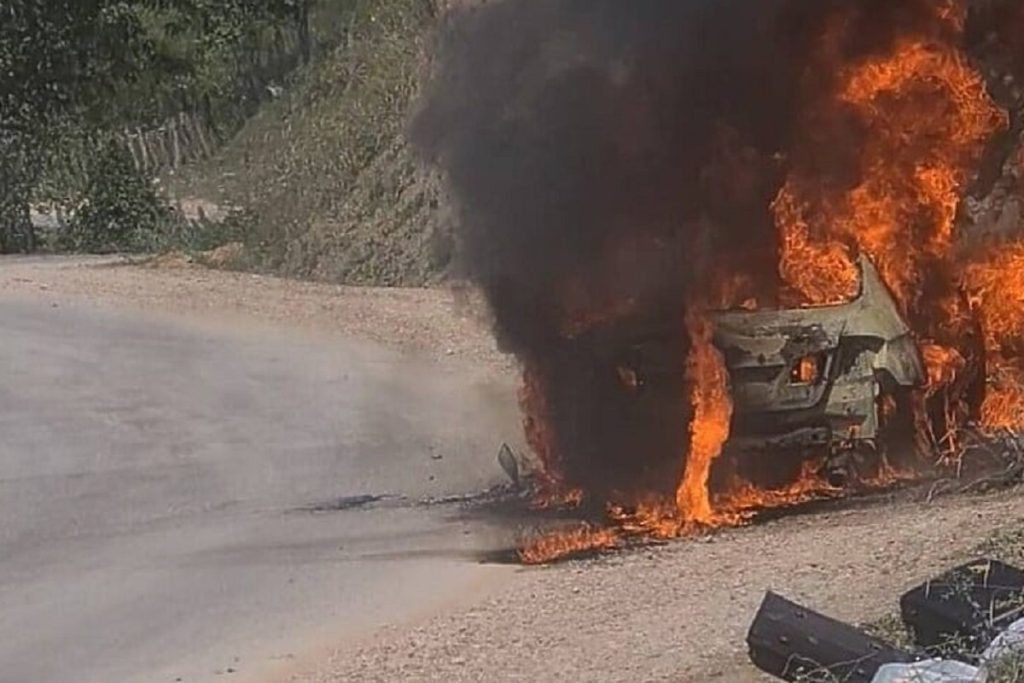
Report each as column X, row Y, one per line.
column 820, row 376
column 826, row 385
column 830, row 383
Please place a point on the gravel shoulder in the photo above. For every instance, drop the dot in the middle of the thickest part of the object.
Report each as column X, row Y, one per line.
column 678, row 612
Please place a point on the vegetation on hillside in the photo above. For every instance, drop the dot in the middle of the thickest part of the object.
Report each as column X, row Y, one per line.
column 75, row 73
column 289, row 114
column 324, row 174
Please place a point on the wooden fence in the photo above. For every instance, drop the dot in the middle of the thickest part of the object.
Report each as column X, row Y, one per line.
column 190, row 135
column 181, row 139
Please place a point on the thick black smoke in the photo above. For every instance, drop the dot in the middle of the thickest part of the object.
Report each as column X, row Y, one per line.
column 609, row 151
column 566, row 125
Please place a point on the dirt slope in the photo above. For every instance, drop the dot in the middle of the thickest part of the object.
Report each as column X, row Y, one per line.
column 332, row 191
column 328, row 184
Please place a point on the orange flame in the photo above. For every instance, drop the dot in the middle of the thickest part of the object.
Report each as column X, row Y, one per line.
column 928, row 116
column 942, row 365
column 553, row 546
column 925, row 116
column 1003, row 408
column 821, row 272
column 540, row 435
column 745, row 498
column 692, row 509
column 994, row 282
column 709, row 429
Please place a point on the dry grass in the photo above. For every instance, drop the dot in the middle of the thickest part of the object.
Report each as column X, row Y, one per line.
column 1006, row 545
column 1007, row 670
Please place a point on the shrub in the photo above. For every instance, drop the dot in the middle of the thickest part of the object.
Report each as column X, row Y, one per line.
column 120, row 210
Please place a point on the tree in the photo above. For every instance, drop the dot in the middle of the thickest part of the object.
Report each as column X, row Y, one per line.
column 80, row 70
column 59, row 60
column 123, row 211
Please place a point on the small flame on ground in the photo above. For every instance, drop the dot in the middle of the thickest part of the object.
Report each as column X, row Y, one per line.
column 744, row 499
column 556, row 498
column 661, row 519
column 584, row 539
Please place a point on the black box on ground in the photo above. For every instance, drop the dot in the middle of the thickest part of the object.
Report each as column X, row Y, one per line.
column 794, row 643
column 964, row 609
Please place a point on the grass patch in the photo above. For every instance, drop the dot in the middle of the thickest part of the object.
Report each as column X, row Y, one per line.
column 1007, row 670
column 1006, row 545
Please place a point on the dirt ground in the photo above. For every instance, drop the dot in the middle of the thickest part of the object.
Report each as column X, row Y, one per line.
column 672, row 613
column 443, row 323
column 680, row 612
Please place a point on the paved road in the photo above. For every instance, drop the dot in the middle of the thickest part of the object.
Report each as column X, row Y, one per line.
column 155, row 476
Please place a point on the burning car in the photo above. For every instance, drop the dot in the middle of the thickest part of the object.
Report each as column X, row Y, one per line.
column 613, row 203
column 833, row 382
column 821, row 376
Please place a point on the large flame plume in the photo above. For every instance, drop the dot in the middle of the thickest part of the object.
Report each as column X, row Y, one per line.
column 924, row 118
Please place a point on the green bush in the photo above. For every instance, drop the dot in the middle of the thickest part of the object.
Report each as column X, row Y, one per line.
column 120, row 210
column 16, row 234
column 1010, row 669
